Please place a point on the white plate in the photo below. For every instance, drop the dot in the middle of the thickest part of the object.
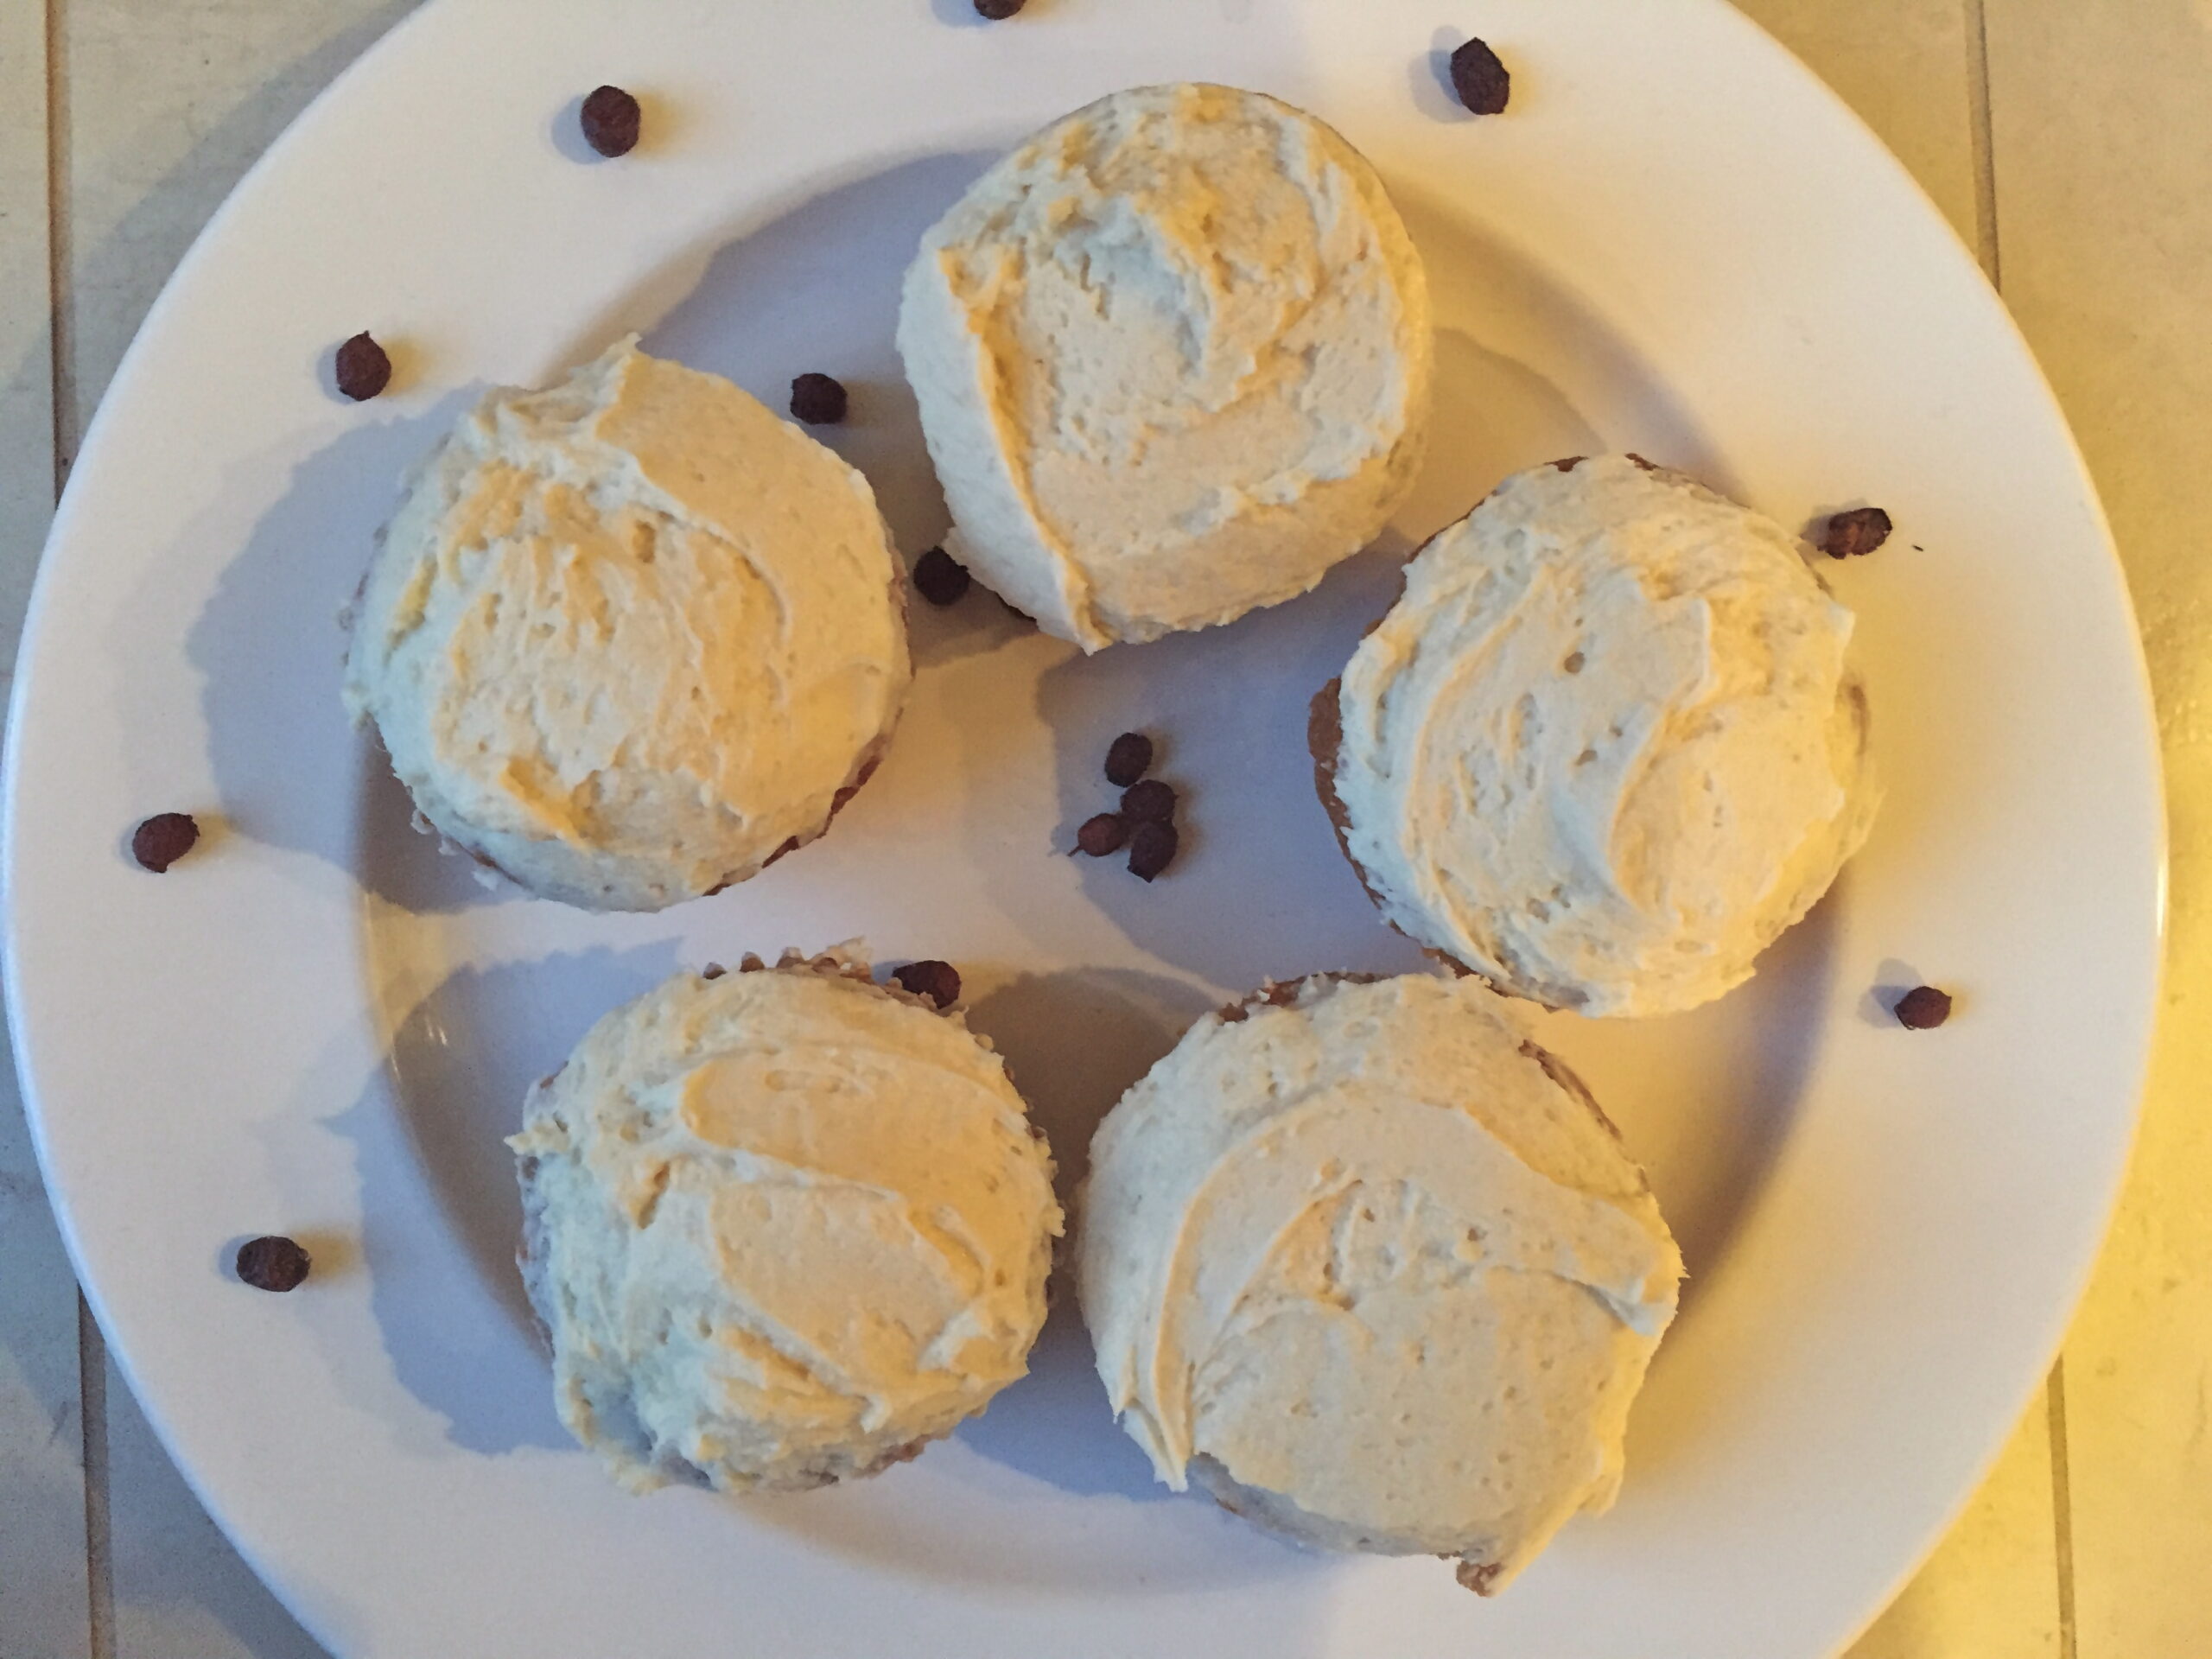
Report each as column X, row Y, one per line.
column 1677, row 241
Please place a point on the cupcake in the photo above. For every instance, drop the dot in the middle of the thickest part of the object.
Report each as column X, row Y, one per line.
column 630, row 638
column 783, row 1227
column 1607, row 744
column 1370, row 1268
column 1172, row 357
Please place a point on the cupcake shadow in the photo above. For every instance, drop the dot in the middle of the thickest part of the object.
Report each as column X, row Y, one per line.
column 1074, row 1042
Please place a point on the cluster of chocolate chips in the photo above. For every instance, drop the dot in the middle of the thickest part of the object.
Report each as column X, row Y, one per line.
column 1146, row 822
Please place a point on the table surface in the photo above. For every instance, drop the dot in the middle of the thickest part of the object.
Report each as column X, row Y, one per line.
column 2070, row 141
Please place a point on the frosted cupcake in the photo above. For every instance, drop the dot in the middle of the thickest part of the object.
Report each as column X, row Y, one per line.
column 1607, row 744
column 1370, row 1268
column 783, row 1226
column 1172, row 356
column 631, row 638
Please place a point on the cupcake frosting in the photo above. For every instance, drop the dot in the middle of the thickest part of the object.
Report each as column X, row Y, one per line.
column 1608, row 744
column 1172, row 357
column 629, row 637
column 783, row 1226
column 1377, row 1257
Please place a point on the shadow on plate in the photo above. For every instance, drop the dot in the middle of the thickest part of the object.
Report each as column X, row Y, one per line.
column 438, row 1184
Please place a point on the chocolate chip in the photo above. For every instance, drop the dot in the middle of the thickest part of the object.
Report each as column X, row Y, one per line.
column 713, row 970
column 938, row 980
column 163, row 839
column 1480, row 80
column 940, row 578
column 610, row 119
column 272, row 1263
column 1859, row 530
column 998, row 10
column 1128, row 758
column 1924, row 1007
column 1151, row 850
column 1568, row 463
column 1149, row 802
column 1102, row 834
column 817, row 400
column 362, row 368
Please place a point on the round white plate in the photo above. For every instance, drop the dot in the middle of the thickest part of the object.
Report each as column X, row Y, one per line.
column 1676, row 241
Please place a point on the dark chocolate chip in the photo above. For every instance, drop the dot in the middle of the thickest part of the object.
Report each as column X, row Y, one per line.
column 1567, row 464
column 272, row 1263
column 610, row 119
column 1151, row 850
column 1480, row 80
column 362, row 368
column 163, row 839
column 938, row 980
column 1149, row 802
column 998, row 10
column 1102, row 834
column 1924, row 1007
column 1128, row 758
column 940, row 578
column 1859, row 530
column 817, row 400
column 713, row 970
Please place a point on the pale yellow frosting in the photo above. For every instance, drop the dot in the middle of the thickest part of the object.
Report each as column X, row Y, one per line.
column 1379, row 1258
column 1609, row 744
column 1172, row 356
column 783, row 1227
column 628, row 636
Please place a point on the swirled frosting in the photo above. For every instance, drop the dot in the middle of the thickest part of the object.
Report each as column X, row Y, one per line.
column 783, row 1227
column 630, row 637
column 1172, row 356
column 1371, row 1267
column 1609, row 744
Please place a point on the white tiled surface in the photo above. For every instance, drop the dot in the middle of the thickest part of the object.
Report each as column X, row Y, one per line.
column 2070, row 140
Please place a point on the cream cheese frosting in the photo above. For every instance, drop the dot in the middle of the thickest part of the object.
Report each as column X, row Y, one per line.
column 1172, row 356
column 783, row 1227
column 1609, row 743
column 629, row 638
column 1369, row 1254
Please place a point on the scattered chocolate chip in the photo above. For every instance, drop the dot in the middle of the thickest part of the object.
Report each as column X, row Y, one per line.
column 938, row 980
column 940, row 578
column 272, row 1263
column 713, row 970
column 1149, row 802
column 817, row 400
column 1569, row 463
column 1102, row 834
column 1924, row 1007
column 998, row 10
column 1151, row 850
column 750, row 963
column 1480, row 80
column 610, row 119
column 1859, row 530
column 1128, row 758
column 163, row 839
column 362, row 368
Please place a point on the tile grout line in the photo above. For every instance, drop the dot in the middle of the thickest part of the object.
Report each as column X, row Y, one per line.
column 1981, row 138
column 91, row 1409
column 92, row 1350
column 61, row 331
column 2062, row 1508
